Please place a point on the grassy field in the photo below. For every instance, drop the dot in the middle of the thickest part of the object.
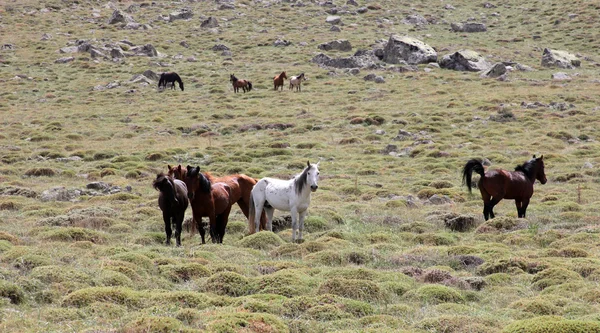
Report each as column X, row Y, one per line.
column 376, row 256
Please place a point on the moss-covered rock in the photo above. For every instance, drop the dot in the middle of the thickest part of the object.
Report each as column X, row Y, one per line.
column 264, row 240
column 228, row 283
column 552, row 324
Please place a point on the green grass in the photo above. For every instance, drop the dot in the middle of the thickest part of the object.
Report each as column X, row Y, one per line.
column 375, row 257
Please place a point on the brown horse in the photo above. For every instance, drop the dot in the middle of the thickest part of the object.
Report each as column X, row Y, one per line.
column 240, row 185
column 237, row 84
column 210, row 199
column 173, row 202
column 278, row 80
column 500, row 184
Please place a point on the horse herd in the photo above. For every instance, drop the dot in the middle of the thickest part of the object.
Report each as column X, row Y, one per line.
column 213, row 197
column 278, row 81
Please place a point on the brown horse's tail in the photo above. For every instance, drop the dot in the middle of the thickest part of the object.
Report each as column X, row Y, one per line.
column 472, row 165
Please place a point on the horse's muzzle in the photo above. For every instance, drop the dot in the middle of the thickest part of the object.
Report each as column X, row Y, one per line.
column 314, row 188
column 543, row 181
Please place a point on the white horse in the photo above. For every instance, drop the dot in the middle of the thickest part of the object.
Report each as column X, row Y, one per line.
column 288, row 195
column 296, row 81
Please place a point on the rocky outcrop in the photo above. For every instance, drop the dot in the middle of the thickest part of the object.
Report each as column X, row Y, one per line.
column 465, row 60
column 495, row 71
column 560, row 59
column 210, row 22
column 408, row 49
column 182, row 14
column 145, row 50
column 361, row 59
column 118, row 16
column 339, row 45
column 468, row 27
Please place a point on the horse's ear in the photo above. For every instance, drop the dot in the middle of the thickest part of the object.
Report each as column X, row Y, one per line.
column 197, row 170
column 318, row 164
column 533, row 155
column 542, row 157
column 169, row 167
column 308, row 163
column 179, row 168
column 189, row 168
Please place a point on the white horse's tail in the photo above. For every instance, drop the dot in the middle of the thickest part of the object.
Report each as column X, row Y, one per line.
column 251, row 214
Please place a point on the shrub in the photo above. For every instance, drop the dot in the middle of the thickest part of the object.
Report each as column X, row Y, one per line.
column 501, row 266
column 552, row 324
column 146, row 324
column 315, row 224
column 184, row 272
column 554, row 276
column 441, row 184
column 435, row 275
column 460, row 223
column 228, row 283
column 116, row 295
column 264, row 240
column 11, row 291
column 137, row 259
column 361, row 290
column 436, row 294
column 296, row 307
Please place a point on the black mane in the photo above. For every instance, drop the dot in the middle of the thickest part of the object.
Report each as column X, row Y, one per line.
column 205, row 184
column 528, row 169
column 300, row 180
column 165, row 184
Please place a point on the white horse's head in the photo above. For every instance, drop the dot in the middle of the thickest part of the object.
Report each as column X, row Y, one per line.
column 312, row 176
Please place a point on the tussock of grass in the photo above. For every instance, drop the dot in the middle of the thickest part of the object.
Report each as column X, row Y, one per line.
column 184, row 272
column 552, row 324
column 264, row 240
column 286, row 283
column 117, row 295
column 251, row 322
column 554, row 276
column 69, row 234
column 435, row 294
column 362, row 290
column 229, row 284
column 153, row 324
column 11, row 291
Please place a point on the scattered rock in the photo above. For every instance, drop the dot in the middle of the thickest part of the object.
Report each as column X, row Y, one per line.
column 151, row 75
column 7, row 47
column 438, row 200
column 495, row 71
column 468, row 27
column 117, row 53
column 118, row 16
column 389, row 149
column 139, row 78
column 413, row 51
column 24, row 192
column 69, row 49
column 352, row 2
column 449, row 7
column 145, row 50
column 415, row 19
column 281, row 42
column 46, row 37
column 210, row 22
column 524, row 68
column 464, row 60
column 60, row 194
column 97, row 54
column 339, row 45
column 560, row 76
column 362, row 10
column 101, row 186
column 359, row 60
column 64, row 60
column 333, row 19
column 560, row 59
column 335, row 28
column 460, row 223
column 219, row 47
column 226, row 6
column 182, row 14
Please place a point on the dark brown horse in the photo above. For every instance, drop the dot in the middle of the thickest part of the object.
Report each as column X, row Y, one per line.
column 210, row 199
column 173, row 201
column 278, row 80
column 237, row 84
column 240, row 185
column 169, row 77
column 499, row 184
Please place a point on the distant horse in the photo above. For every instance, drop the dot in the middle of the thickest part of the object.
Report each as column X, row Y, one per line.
column 288, row 195
column 296, row 81
column 239, row 184
column 237, row 84
column 500, row 184
column 171, row 77
column 278, row 80
column 211, row 199
column 173, row 202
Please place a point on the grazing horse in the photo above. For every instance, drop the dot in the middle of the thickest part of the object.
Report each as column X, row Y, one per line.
column 239, row 184
column 296, row 81
column 170, row 77
column 288, row 195
column 237, row 84
column 211, row 199
column 278, row 80
column 499, row 184
column 173, row 201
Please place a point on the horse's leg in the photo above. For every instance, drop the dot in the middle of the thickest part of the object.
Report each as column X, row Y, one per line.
column 223, row 223
column 212, row 225
column 524, row 207
column 269, row 213
column 519, row 205
column 486, row 200
column 198, row 220
column 301, row 225
column 168, row 230
column 294, row 213
column 178, row 224
column 495, row 200
column 258, row 212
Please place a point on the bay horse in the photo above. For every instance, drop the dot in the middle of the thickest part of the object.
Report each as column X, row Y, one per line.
column 499, row 184
column 173, row 201
column 278, row 80
column 169, row 77
column 211, row 199
column 296, row 81
column 237, row 84
column 239, row 184
column 288, row 195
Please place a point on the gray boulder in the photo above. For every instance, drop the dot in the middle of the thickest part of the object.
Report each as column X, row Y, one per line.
column 335, row 28
column 69, row 49
column 60, row 194
column 145, row 50
column 339, row 45
column 95, row 53
column 219, row 47
column 464, row 60
column 46, row 37
column 495, row 71
column 117, row 53
column 64, row 60
column 358, row 60
column 560, row 76
column 182, row 14
column 118, row 16
column 560, row 59
column 408, row 49
column 333, row 19
column 468, row 27
column 282, row 42
column 151, row 75
column 415, row 19
column 210, row 22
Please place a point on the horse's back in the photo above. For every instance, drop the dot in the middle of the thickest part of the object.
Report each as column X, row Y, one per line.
column 514, row 185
